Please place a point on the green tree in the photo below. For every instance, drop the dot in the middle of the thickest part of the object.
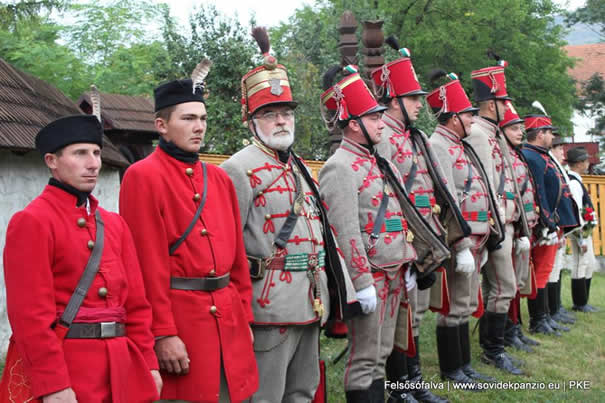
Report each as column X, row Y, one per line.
column 593, row 12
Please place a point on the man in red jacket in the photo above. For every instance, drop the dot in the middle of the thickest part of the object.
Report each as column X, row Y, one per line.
column 107, row 354
column 194, row 265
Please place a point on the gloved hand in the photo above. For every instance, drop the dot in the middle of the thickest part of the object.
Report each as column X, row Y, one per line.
column 465, row 262
column 543, row 237
column 367, row 299
column 521, row 245
column 502, row 214
column 484, row 257
column 410, row 279
column 553, row 239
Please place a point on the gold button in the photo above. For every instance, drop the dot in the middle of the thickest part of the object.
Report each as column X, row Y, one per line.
column 102, row 292
column 410, row 236
column 267, row 216
column 491, row 221
column 204, row 231
column 81, row 222
column 387, row 236
column 91, row 244
column 197, row 197
column 537, row 209
column 436, row 209
column 213, row 309
column 189, row 171
column 259, row 194
column 212, row 273
column 249, row 172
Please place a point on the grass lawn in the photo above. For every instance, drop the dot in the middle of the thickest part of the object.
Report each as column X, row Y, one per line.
column 579, row 355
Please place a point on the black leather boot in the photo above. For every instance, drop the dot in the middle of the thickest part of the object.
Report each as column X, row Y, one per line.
column 511, row 337
column 537, row 316
column 465, row 351
column 550, row 303
column 377, row 391
column 578, row 294
column 397, row 374
column 590, row 307
column 358, row 396
column 559, row 315
column 493, row 352
column 450, row 356
column 415, row 375
column 526, row 340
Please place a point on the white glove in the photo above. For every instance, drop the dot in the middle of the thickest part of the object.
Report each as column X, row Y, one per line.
column 410, row 279
column 502, row 214
column 543, row 237
column 553, row 239
column 484, row 256
column 367, row 299
column 521, row 245
column 465, row 263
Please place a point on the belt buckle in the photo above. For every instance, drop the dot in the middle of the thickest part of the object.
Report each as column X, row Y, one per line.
column 313, row 260
column 108, row 330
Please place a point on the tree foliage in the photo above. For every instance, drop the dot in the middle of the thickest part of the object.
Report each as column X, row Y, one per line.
column 593, row 12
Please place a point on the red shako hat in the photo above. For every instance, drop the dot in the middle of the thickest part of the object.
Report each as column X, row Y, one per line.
column 538, row 121
column 397, row 78
column 450, row 97
column 350, row 97
column 511, row 116
column 490, row 82
column 267, row 84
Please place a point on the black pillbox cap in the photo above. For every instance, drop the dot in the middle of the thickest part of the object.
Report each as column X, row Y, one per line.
column 177, row 92
column 69, row 130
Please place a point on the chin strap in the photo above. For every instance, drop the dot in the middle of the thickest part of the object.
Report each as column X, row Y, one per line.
column 463, row 128
column 497, row 113
column 366, row 135
column 406, row 118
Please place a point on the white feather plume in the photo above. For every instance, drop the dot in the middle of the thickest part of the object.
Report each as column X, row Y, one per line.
column 95, row 101
column 199, row 74
column 538, row 105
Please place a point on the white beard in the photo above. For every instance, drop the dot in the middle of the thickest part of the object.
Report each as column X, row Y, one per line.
column 281, row 142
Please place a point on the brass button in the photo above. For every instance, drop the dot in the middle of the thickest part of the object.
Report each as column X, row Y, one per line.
column 91, row 244
column 197, row 197
column 81, row 222
column 204, row 231
column 213, row 309
column 491, row 221
column 537, row 209
column 102, row 292
column 189, row 171
column 267, row 216
column 249, row 172
column 410, row 237
column 436, row 209
column 260, row 193
column 212, row 273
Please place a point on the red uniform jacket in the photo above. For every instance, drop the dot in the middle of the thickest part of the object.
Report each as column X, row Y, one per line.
column 158, row 200
column 44, row 257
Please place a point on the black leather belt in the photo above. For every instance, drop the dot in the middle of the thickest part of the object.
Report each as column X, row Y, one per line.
column 103, row 330
column 199, row 283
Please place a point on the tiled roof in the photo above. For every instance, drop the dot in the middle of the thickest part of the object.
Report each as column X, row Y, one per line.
column 590, row 60
column 123, row 112
column 27, row 104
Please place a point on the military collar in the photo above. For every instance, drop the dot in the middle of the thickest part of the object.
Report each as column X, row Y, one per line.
column 355, row 148
column 61, row 195
column 81, row 197
column 535, row 148
column 395, row 124
column 177, row 153
column 269, row 151
column 574, row 174
column 487, row 124
column 447, row 133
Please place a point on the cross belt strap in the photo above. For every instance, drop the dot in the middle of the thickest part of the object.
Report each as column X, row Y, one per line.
column 382, row 209
column 409, row 182
column 286, row 230
column 196, row 216
column 90, row 271
column 469, row 179
column 199, row 283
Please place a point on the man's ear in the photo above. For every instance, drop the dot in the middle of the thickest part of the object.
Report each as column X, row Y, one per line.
column 50, row 160
column 160, row 126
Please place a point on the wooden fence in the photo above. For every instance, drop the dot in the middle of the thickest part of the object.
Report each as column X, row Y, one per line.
column 594, row 183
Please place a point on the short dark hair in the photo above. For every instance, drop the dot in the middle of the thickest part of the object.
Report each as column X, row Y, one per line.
column 532, row 134
column 165, row 113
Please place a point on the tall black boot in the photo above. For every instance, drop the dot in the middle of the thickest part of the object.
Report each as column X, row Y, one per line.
column 511, row 337
column 579, row 295
column 397, row 374
column 450, row 355
column 358, row 396
column 415, row 375
column 551, row 290
column 537, row 315
column 560, row 315
column 519, row 329
column 590, row 307
column 465, row 351
column 493, row 353
column 547, row 309
column 377, row 391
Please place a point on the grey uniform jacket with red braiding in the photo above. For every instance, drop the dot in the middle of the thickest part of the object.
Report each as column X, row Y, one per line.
column 428, row 191
column 478, row 204
column 266, row 189
column 352, row 185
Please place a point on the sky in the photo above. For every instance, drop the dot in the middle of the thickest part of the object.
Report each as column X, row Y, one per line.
column 271, row 12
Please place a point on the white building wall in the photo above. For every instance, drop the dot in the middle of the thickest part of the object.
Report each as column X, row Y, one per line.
column 22, row 178
column 581, row 125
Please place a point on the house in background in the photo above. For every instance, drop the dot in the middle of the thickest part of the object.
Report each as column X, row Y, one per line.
column 128, row 122
column 26, row 105
column 590, row 60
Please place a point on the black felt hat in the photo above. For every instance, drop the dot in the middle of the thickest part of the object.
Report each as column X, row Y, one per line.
column 69, row 130
column 577, row 154
column 177, row 92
